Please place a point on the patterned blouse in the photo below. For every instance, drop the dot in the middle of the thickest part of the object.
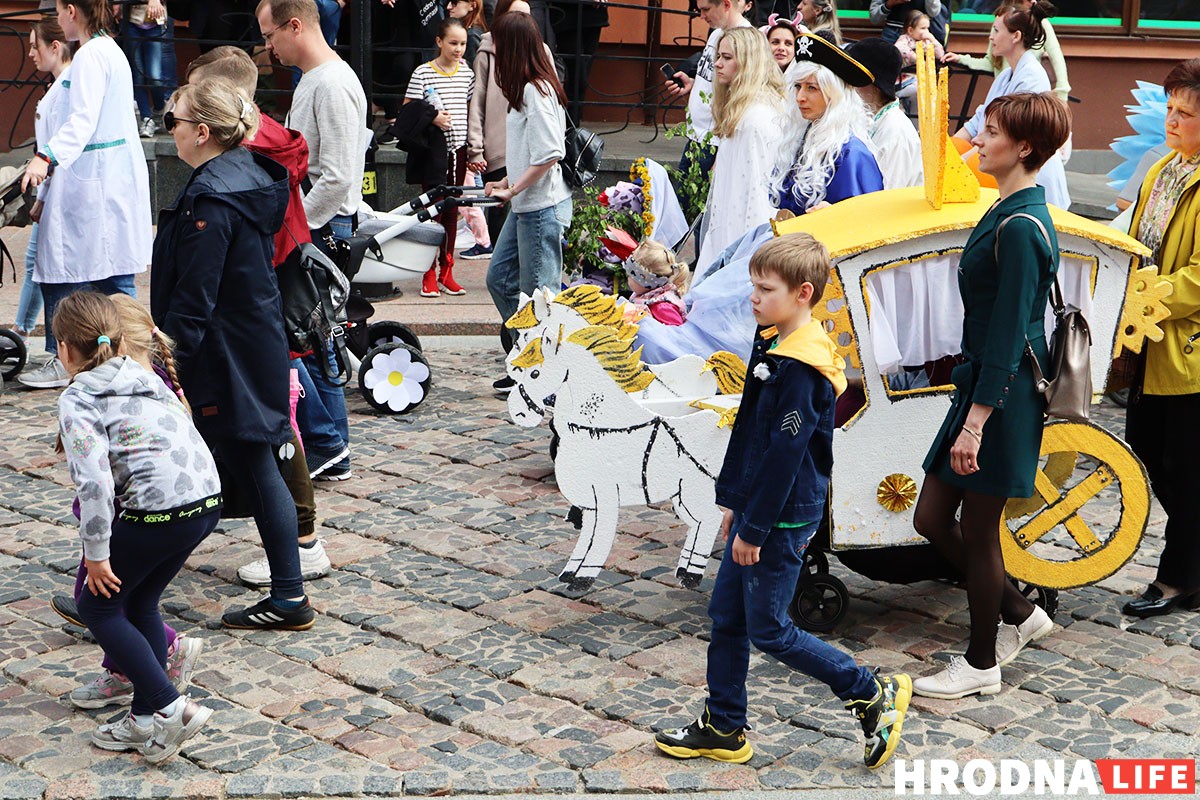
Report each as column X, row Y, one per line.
column 1164, row 195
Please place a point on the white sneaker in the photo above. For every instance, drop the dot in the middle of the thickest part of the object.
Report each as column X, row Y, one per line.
column 958, row 680
column 170, row 732
column 1011, row 639
column 122, row 736
column 313, row 564
column 148, row 128
column 182, row 662
column 51, row 375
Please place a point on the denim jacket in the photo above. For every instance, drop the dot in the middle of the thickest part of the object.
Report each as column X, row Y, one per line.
column 780, row 455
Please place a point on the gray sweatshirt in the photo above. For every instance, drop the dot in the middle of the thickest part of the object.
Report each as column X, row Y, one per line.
column 535, row 136
column 128, row 438
column 329, row 110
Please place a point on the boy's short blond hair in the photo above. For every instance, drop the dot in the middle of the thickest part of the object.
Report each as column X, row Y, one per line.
column 228, row 63
column 797, row 259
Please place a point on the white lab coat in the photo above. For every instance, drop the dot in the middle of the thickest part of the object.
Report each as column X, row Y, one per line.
column 96, row 220
column 738, row 199
column 51, row 114
column 1028, row 76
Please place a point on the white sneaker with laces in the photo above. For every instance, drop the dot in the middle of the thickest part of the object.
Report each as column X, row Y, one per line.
column 958, row 680
column 170, row 732
column 182, row 662
column 148, row 128
column 1011, row 639
column 122, row 736
column 314, row 563
column 51, row 375
column 108, row 689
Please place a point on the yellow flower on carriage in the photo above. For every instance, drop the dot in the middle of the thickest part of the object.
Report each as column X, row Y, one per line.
column 638, row 173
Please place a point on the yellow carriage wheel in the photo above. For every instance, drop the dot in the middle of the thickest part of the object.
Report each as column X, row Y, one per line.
column 1054, row 543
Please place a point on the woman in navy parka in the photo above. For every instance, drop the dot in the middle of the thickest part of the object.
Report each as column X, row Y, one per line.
column 214, row 291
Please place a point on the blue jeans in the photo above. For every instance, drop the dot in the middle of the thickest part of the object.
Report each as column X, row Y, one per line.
column 53, row 294
column 321, row 412
column 151, row 53
column 30, row 304
column 526, row 255
column 128, row 624
column 749, row 606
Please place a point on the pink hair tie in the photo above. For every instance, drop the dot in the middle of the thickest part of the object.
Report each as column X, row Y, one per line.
column 154, row 331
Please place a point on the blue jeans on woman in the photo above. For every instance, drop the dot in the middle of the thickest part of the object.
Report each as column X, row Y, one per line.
column 53, row 294
column 527, row 255
column 30, row 304
column 750, row 606
column 151, row 53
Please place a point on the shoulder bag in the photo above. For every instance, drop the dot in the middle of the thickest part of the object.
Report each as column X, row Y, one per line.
column 1068, row 387
column 584, row 152
column 314, row 293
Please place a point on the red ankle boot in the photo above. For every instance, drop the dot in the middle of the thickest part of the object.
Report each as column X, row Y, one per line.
column 446, row 278
column 429, row 284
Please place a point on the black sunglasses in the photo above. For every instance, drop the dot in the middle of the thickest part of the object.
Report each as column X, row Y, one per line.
column 169, row 120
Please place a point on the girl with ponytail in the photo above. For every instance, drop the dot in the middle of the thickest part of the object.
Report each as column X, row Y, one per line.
column 95, row 228
column 148, row 494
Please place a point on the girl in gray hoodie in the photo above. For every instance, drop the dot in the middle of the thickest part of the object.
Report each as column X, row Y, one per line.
column 129, row 442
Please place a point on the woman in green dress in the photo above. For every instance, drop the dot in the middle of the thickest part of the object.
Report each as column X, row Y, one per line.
column 987, row 449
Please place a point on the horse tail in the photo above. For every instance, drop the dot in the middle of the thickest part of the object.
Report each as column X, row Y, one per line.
column 729, row 370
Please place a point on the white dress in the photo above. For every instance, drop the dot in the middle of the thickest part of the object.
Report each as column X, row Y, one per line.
column 738, row 199
column 897, row 148
column 1028, row 76
column 96, row 220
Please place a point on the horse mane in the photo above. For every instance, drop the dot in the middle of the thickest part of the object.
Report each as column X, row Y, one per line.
column 617, row 356
column 586, row 300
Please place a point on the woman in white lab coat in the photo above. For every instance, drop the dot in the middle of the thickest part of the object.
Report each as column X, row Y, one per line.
column 95, row 229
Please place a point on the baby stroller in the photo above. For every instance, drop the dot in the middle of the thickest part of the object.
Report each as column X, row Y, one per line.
column 398, row 245
column 14, row 211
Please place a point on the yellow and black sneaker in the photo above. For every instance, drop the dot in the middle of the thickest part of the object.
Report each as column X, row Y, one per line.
column 882, row 717
column 702, row 739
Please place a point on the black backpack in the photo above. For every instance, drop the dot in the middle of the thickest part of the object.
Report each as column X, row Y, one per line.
column 584, row 152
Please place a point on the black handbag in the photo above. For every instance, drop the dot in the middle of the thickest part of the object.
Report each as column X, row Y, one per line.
column 314, row 293
column 584, row 152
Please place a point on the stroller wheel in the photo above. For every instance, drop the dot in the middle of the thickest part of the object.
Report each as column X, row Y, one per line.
column 820, row 603
column 1039, row 596
column 12, row 354
column 815, row 561
column 390, row 332
column 394, row 378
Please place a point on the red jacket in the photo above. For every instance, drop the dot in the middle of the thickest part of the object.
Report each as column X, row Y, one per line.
column 287, row 147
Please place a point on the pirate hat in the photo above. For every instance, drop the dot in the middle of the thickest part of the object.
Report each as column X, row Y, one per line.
column 810, row 47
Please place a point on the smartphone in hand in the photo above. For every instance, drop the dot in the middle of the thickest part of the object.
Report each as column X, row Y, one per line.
column 669, row 73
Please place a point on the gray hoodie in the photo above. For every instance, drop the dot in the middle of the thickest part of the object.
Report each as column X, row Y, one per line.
column 128, row 438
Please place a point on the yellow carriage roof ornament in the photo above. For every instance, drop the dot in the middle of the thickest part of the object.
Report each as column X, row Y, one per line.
column 948, row 179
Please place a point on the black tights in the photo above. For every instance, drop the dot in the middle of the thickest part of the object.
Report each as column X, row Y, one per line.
column 972, row 544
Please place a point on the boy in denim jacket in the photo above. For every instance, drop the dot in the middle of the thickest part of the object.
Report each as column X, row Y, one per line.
column 773, row 487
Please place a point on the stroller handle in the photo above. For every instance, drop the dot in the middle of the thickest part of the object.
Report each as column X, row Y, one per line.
column 433, row 197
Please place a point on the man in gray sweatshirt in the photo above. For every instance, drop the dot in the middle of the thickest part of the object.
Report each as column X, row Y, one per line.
column 329, row 108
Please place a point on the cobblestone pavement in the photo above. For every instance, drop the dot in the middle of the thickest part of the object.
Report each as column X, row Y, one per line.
column 447, row 657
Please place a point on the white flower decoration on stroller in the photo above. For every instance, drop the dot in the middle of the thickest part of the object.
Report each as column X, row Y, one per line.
column 395, row 379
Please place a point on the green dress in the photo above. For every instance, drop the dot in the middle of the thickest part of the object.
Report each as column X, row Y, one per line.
column 1003, row 305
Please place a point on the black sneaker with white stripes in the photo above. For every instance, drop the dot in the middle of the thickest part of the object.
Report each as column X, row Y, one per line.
column 265, row 615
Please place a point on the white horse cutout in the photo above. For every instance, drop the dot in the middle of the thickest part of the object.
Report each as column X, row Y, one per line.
column 617, row 450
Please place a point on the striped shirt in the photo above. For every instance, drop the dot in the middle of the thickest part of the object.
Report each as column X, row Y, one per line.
column 455, row 90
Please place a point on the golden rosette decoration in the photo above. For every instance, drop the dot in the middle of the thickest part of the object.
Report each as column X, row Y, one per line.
column 640, row 175
column 897, row 492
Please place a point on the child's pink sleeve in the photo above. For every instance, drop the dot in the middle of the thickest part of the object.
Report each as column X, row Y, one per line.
column 667, row 314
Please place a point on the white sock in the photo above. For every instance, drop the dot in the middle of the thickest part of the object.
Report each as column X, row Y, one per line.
column 143, row 720
column 171, row 708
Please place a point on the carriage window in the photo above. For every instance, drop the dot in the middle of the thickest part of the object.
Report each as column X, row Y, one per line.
column 914, row 317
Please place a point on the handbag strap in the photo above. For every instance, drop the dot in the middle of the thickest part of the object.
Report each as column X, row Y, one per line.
column 1056, row 298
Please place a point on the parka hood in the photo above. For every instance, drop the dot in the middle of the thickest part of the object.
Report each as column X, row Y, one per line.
column 282, row 145
column 485, row 44
column 232, row 179
column 120, row 376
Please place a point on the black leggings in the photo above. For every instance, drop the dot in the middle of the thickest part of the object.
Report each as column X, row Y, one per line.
column 972, row 544
column 146, row 558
